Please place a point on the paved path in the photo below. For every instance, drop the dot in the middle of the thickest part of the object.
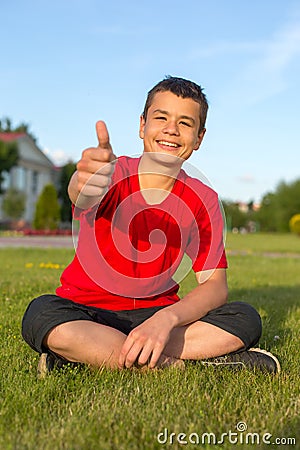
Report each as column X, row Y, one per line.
column 68, row 242
column 264, row 254
column 37, row 241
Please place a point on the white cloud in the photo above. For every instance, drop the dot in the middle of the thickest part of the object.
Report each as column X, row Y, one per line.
column 266, row 75
column 265, row 72
column 246, row 178
column 59, row 157
column 284, row 48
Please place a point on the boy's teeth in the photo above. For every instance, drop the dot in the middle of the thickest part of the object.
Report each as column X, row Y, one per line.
column 170, row 144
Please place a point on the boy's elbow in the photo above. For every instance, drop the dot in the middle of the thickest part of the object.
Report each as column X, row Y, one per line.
column 223, row 287
column 224, row 294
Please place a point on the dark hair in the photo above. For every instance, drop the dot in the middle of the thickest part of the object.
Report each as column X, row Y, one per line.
column 182, row 88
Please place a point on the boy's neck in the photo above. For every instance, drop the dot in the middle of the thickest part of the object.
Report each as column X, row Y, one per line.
column 157, row 175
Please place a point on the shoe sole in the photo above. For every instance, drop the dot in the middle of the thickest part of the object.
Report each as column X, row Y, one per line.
column 224, row 363
column 242, row 363
column 265, row 352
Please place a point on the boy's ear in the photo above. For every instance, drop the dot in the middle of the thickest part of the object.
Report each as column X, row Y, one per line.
column 200, row 138
column 142, row 126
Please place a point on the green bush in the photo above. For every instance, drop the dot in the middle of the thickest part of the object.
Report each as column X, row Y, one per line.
column 294, row 224
column 14, row 203
column 47, row 210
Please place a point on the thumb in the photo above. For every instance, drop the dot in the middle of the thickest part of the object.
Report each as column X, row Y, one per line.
column 102, row 135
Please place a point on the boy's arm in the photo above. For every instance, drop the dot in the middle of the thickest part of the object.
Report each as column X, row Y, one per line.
column 150, row 338
column 211, row 292
column 94, row 170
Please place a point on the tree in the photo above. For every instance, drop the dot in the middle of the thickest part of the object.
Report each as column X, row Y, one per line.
column 9, row 156
column 47, row 211
column 267, row 212
column 7, row 127
column 65, row 175
column 235, row 218
column 14, row 203
column 277, row 208
column 288, row 201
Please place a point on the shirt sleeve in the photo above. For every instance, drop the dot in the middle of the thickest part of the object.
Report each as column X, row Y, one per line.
column 206, row 245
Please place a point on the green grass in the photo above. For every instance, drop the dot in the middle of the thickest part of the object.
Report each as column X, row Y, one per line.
column 264, row 242
column 83, row 409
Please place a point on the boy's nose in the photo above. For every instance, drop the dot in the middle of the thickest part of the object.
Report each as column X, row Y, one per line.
column 171, row 128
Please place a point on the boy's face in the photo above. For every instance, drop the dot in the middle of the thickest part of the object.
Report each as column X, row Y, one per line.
column 172, row 126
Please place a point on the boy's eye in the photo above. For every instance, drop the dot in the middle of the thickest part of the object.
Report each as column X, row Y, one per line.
column 160, row 118
column 185, row 123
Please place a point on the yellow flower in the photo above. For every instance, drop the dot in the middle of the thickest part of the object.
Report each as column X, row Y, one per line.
column 49, row 265
column 28, row 265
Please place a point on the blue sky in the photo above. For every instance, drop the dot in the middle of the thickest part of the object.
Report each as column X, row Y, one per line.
column 67, row 63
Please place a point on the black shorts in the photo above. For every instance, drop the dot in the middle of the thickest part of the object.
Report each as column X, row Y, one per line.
column 48, row 311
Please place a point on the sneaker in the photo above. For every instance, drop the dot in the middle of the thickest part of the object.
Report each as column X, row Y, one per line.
column 49, row 362
column 254, row 358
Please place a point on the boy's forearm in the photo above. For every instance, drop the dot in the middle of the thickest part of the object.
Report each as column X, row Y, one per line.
column 198, row 302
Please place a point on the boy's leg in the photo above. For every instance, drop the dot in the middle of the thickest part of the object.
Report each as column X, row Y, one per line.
column 86, row 342
column 70, row 331
column 201, row 340
column 223, row 338
column 229, row 328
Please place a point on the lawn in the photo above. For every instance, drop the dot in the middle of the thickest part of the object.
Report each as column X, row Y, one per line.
column 87, row 410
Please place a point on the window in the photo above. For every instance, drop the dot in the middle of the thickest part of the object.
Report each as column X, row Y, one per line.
column 20, row 178
column 34, row 182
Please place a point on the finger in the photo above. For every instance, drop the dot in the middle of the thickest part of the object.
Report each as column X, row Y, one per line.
column 94, row 161
column 132, row 355
column 102, row 135
column 92, row 191
column 145, row 354
column 156, row 353
column 124, row 351
column 97, row 180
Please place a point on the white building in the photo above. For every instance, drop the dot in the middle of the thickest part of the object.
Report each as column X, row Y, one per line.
column 33, row 171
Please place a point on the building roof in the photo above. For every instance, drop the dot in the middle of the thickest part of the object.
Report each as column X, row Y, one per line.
column 24, row 137
column 10, row 137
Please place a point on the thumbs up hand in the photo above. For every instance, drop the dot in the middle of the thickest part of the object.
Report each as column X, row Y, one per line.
column 94, row 171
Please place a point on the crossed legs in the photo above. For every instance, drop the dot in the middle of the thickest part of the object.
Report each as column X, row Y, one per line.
column 100, row 345
column 96, row 337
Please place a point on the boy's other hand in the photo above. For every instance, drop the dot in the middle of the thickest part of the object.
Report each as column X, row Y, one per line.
column 145, row 343
column 96, row 166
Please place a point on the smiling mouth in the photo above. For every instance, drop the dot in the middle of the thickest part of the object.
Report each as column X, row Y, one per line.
column 168, row 144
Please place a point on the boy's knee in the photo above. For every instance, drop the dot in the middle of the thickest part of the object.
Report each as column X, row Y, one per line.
column 251, row 320
column 239, row 319
column 32, row 320
column 47, row 313
column 60, row 337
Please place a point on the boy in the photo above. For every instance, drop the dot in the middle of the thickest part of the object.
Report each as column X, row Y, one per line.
column 117, row 305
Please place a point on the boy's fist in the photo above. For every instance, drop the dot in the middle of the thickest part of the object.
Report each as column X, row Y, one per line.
column 96, row 166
